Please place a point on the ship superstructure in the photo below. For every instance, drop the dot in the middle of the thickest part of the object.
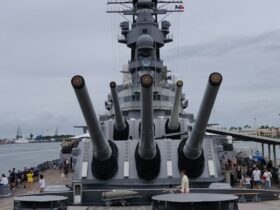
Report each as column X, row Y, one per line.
column 148, row 138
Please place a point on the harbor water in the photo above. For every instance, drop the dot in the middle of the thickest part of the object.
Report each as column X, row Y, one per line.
column 27, row 155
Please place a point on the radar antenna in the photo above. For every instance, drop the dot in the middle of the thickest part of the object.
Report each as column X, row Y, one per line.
column 157, row 7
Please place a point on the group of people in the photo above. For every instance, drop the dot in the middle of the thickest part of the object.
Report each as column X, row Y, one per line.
column 256, row 179
column 27, row 177
column 253, row 177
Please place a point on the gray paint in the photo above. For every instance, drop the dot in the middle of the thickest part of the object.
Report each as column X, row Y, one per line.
column 151, row 105
column 147, row 146
column 192, row 148
column 101, row 148
column 119, row 121
column 173, row 123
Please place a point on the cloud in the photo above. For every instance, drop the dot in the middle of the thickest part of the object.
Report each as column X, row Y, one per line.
column 268, row 42
column 44, row 43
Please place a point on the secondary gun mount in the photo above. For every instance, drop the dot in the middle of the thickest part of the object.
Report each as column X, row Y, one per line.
column 173, row 123
column 190, row 151
column 121, row 127
column 105, row 153
column 147, row 154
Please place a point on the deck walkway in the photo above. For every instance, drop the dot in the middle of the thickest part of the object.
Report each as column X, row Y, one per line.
column 54, row 178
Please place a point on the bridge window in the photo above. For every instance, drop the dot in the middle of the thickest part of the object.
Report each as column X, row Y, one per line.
column 136, row 97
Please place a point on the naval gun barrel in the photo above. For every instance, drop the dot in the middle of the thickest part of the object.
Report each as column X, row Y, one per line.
column 173, row 122
column 121, row 128
column 191, row 158
column 147, row 153
column 104, row 163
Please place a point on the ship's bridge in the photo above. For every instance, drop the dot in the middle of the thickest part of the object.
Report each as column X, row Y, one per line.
column 163, row 98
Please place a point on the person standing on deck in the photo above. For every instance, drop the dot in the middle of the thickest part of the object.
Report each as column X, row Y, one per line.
column 42, row 183
column 185, row 182
column 29, row 180
column 4, row 180
column 256, row 176
column 267, row 177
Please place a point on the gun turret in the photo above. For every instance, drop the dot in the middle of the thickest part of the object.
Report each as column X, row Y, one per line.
column 105, row 153
column 121, row 128
column 173, row 124
column 147, row 153
column 191, row 156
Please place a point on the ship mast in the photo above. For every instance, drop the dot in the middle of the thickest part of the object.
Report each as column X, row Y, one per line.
column 145, row 35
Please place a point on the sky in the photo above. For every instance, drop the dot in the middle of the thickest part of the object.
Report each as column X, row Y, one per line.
column 43, row 43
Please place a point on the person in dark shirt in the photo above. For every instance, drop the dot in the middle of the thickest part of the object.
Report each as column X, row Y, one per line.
column 36, row 174
column 269, row 165
column 24, row 177
column 19, row 176
column 13, row 178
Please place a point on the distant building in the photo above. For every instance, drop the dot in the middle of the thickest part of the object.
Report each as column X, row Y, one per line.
column 269, row 132
column 248, row 131
column 266, row 132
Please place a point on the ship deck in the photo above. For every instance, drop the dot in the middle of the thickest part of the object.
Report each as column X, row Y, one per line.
column 54, row 178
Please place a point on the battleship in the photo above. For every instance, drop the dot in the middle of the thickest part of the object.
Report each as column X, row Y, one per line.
column 139, row 148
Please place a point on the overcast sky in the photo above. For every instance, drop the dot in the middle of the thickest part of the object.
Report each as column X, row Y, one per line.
column 43, row 43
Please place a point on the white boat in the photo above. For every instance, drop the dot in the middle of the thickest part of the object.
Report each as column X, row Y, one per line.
column 21, row 141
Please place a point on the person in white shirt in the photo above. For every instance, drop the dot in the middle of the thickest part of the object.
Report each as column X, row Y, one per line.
column 256, row 176
column 4, row 180
column 267, row 176
column 185, row 182
column 42, row 184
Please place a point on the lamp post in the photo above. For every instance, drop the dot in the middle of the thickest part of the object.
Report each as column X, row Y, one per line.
column 255, row 122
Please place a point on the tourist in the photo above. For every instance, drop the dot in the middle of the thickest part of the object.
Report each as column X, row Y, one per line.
column 42, row 184
column 267, row 177
column 4, row 180
column 29, row 180
column 269, row 165
column 247, row 182
column 185, row 182
column 13, row 178
column 54, row 166
column 256, row 176
column 66, row 168
column 19, row 176
column 250, row 174
column 36, row 174
column 239, row 177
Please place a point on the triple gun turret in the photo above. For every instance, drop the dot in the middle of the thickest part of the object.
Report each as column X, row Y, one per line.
column 147, row 153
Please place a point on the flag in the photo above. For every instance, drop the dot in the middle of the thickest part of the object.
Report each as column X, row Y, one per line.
column 180, row 7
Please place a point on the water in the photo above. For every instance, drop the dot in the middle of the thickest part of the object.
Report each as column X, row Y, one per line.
column 20, row 155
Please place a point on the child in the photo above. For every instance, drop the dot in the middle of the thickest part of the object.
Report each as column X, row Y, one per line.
column 42, row 184
column 247, row 182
